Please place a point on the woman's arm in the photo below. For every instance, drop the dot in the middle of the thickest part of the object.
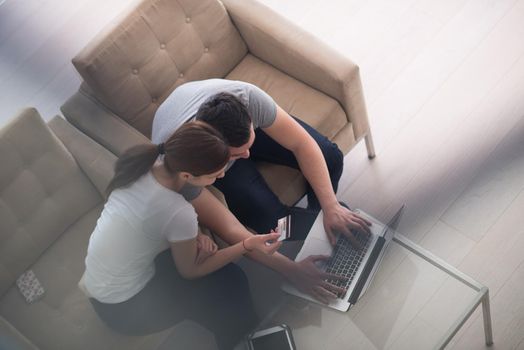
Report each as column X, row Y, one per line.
column 185, row 254
column 205, row 247
column 304, row 275
column 216, row 217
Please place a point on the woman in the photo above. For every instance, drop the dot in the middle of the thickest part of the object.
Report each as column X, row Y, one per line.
column 137, row 289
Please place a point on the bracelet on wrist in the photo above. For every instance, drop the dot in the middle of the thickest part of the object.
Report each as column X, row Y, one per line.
column 244, row 245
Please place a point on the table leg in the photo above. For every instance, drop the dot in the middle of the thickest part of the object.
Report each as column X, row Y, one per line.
column 486, row 314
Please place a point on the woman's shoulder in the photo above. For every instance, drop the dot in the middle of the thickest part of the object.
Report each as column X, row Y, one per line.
column 147, row 193
column 150, row 188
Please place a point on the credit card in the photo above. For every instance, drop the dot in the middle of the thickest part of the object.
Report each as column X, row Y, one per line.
column 284, row 227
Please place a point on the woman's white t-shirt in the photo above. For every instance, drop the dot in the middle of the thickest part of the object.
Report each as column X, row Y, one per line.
column 137, row 223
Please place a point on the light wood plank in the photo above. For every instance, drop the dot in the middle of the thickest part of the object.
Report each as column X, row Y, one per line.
column 507, row 314
column 27, row 40
column 499, row 180
column 417, row 335
column 395, row 49
column 427, row 136
column 15, row 14
column 447, row 243
column 442, row 10
column 41, row 75
column 425, row 75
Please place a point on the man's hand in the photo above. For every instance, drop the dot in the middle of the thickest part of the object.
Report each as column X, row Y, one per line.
column 338, row 219
column 205, row 248
column 309, row 279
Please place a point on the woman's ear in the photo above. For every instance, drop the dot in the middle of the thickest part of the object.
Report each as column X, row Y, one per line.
column 185, row 175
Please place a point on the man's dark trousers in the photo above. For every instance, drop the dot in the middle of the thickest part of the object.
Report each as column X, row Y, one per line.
column 247, row 193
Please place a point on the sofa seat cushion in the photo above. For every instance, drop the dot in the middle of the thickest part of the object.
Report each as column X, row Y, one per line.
column 300, row 100
column 64, row 318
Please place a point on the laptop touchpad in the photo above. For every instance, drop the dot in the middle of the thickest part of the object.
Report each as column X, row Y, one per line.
column 314, row 246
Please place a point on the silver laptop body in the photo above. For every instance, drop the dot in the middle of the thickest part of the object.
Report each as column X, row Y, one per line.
column 317, row 243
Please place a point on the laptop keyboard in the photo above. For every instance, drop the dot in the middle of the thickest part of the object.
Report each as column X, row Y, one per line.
column 346, row 260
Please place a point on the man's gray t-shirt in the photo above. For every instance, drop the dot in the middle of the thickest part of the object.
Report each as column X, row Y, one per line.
column 183, row 103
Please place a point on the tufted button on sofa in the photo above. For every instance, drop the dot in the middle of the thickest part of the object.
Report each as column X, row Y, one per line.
column 133, row 65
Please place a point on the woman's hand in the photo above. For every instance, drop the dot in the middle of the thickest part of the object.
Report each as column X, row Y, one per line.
column 310, row 279
column 266, row 244
column 205, row 248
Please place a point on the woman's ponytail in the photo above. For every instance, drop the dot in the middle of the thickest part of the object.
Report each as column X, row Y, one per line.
column 196, row 147
column 134, row 163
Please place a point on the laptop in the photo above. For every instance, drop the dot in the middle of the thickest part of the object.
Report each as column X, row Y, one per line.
column 359, row 265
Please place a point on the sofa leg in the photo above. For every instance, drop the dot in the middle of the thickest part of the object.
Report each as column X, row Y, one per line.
column 369, row 145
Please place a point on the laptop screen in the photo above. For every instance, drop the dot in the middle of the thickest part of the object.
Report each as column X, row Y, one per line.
column 391, row 226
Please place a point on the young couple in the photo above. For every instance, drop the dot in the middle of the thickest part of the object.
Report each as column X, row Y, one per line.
column 148, row 266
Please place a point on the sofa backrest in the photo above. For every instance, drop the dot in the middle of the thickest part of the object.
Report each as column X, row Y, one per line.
column 42, row 192
column 139, row 59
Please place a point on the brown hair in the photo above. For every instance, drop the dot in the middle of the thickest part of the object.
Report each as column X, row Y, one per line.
column 196, row 148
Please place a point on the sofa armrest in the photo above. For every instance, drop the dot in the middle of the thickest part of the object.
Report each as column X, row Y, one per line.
column 103, row 126
column 284, row 45
column 94, row 160
column 11, row 338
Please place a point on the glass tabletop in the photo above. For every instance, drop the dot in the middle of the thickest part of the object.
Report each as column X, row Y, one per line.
column 415, row 301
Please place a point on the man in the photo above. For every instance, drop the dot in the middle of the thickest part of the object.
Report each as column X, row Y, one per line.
column 256, row 128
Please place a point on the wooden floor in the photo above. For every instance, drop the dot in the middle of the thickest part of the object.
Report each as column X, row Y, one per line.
column 444, row 83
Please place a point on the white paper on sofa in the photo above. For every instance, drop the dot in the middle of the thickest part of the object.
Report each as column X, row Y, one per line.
column 30, row 286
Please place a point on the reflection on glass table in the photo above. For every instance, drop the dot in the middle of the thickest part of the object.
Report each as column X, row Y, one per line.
column 415, row 301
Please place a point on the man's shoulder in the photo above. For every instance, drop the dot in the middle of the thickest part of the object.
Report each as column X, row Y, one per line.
column 215, row 83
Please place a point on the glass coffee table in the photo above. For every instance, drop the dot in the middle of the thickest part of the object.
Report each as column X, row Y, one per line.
column 416, row 301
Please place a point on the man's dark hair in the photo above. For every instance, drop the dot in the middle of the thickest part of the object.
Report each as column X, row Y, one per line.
column 226, row 113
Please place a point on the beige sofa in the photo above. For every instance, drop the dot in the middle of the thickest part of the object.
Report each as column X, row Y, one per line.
column 141, row 57
column 51, row 184
column 53, row 176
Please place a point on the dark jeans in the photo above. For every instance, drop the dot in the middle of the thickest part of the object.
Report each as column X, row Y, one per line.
column 221, row 302
column 247, row 193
